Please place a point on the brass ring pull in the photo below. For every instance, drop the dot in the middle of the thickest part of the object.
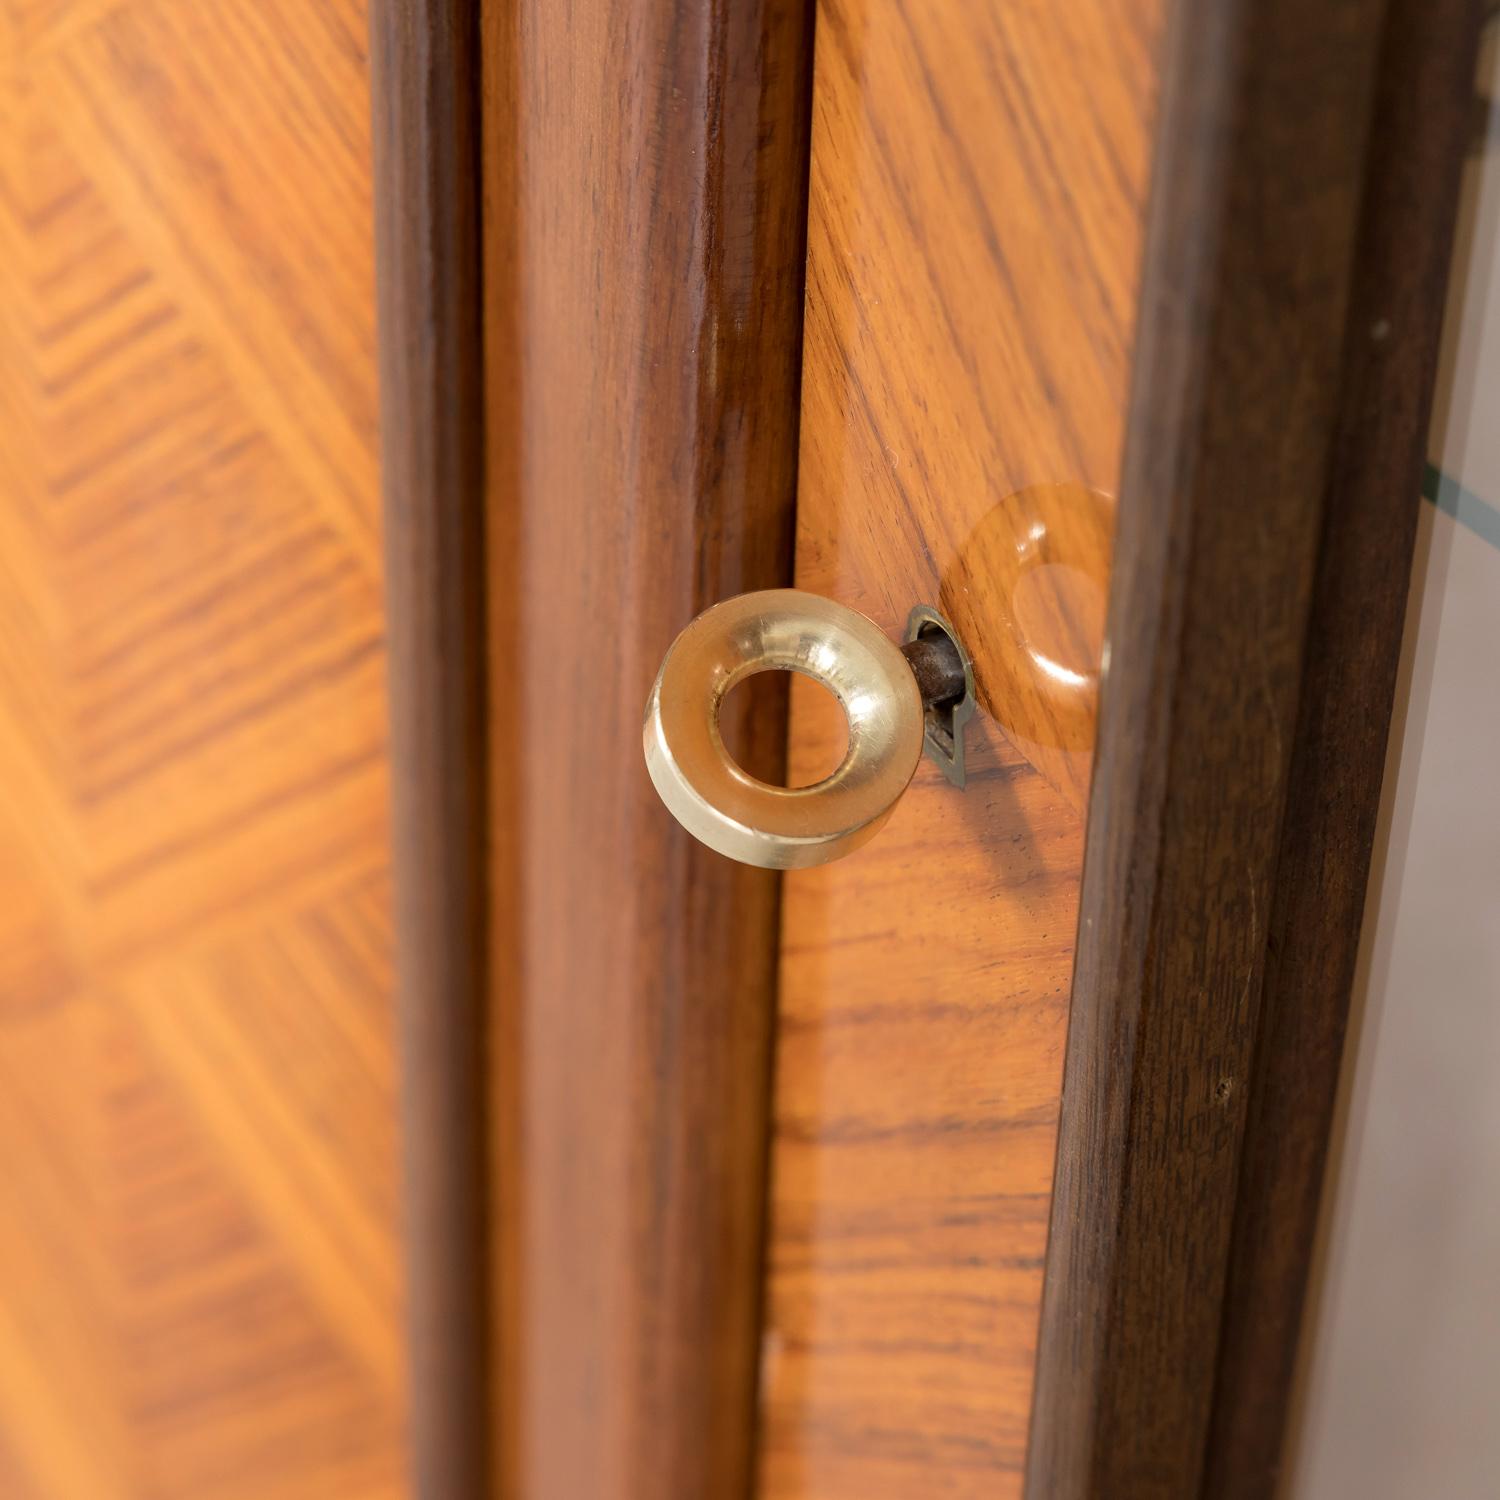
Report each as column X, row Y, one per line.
column 749, row 820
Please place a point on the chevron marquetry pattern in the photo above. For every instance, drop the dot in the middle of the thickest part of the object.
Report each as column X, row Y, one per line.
column 200, row 1285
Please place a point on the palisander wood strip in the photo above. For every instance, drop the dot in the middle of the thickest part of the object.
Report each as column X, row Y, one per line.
column 425, row 88
column 644, row 171
column 1423, row 115
column 1233, row 611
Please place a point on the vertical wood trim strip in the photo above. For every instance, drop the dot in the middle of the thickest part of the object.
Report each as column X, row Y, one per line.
column 424, row 80
column 1423, row 114
column 644, row 179
column 1237, row 480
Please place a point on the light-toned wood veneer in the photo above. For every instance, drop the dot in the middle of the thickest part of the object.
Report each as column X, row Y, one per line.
column 200, row 1281
column 977, row 192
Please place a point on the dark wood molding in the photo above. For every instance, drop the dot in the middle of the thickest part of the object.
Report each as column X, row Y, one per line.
column 1270, row 484
column 1422, row 116
column 644, row 177
column 425, row 91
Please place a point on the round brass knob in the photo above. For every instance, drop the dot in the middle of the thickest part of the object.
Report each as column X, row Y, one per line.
column 776, row 827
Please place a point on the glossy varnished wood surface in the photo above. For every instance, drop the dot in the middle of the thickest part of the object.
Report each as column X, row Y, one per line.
column 198, row 1248
column 1422, row 122
column 643, row 175
column 977, row 192
column 425, row 83
column 1266, row 518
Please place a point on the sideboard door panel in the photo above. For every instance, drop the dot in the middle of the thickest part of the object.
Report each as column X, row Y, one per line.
column 975, row 216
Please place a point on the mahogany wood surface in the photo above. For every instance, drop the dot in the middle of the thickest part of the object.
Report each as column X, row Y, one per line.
column 1287, row 334
column 644, row 188
column 425, row 87
column 200, row 1280
column 977, row 196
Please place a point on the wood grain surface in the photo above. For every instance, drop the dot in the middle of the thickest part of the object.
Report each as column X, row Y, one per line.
column 1269, row 489
column 200, row 1270
column 644, row 177
column 1422, row 123
column 977, row 195
column 425, row 83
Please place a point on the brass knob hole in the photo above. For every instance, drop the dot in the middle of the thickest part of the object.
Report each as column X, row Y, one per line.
column 774, row 699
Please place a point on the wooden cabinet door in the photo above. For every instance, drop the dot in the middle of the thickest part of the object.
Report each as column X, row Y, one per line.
column 975, row 217
column 1010, row 369
column 981, row 1162
column 1104, row 344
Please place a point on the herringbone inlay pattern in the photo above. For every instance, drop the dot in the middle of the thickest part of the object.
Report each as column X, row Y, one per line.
column 199, row 1277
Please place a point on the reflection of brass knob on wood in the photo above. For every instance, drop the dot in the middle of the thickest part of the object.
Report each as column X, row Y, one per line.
column 883, row 689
